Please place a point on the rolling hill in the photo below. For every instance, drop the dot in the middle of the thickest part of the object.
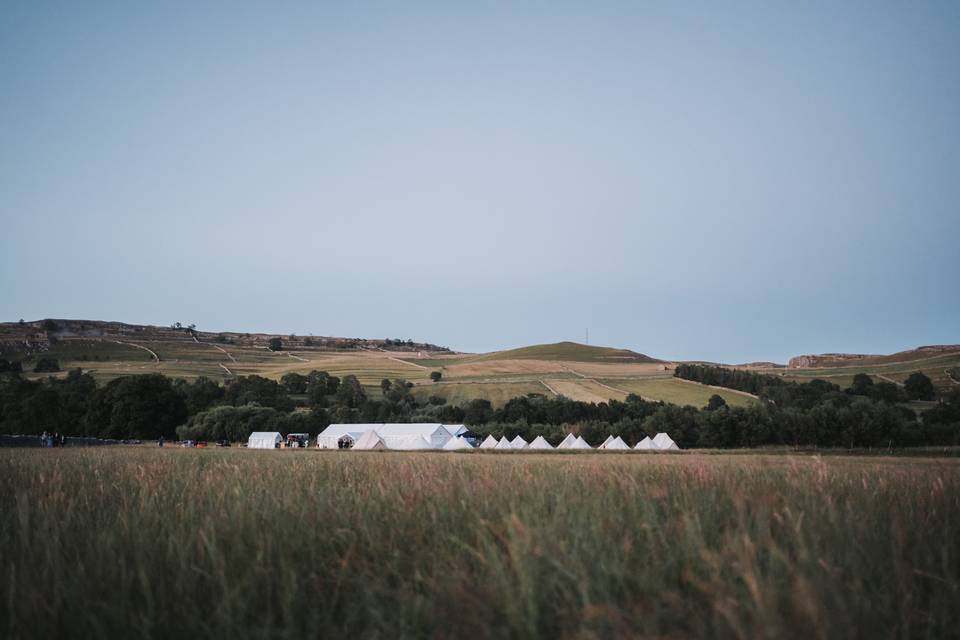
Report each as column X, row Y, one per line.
column 583, row 372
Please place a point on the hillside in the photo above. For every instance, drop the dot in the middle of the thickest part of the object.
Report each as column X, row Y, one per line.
column 109, row 350
column 569, row 352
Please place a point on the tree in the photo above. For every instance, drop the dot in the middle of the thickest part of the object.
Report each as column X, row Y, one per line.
column 200, row 394
column 141, row 406
column 47, row 365
column 257, row 390
column 351, row 393
column 862, row 385
column 276, row 344
column 435, row 376
column 477, row 411
column 716, row 402
column 294, row 383
column 919, row 387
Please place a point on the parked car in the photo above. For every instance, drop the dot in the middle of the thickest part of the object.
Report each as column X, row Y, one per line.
column 223, row 443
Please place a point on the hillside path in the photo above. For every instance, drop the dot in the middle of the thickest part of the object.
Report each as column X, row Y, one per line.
column 140, row 346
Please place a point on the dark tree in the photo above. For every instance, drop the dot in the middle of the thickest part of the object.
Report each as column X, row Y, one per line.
column 47, row 365
column 435, row 376
column 477, row 411
column 862, row 385
column 142, row 406
column 351, row 393
column 919, row 387
column 294, row 383
column 715, row 402
column 276, row 344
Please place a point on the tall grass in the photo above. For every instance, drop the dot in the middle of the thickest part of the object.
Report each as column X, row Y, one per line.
column 276, row 544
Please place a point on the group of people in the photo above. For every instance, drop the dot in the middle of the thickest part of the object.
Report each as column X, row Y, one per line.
column 50, row 440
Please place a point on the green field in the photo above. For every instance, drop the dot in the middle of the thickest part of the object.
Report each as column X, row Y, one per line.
column 567, row 352
column 497, row 393
column 166, row 543
column 678, row 392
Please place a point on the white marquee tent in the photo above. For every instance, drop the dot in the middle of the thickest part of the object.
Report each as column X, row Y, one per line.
column 489, row 443
column 616, row 444
column 434, row 433
column 454, row 444
column 567, row 442
column 518, row 443
column 504, row 444
column 606, row 442
column 407, row 443
column 580, row 443
column 369, row 440
column 539, row 443
column 264, row 440
column 646, row 444
column 665, row 442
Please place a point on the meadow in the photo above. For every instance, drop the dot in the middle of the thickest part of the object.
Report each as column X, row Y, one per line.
column 286, row 544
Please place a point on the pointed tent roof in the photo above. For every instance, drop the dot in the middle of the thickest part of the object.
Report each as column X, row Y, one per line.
column 407, row 443
column 369, row 440
column 504, row 443
column 665, row 442
column 454, row 444
column 646, row 444
column 489, row 443
column 567, row 442
column 580, row 443
column 606, row 442
column 518, row 443
column 539, row 443
column 617, row 444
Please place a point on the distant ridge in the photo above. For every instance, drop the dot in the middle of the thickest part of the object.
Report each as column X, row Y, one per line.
column 857, row 359
column 569, row 352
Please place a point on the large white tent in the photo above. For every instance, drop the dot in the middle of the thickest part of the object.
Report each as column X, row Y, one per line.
column 369, row 440
column 540, row 443
column 454, row 444
column 518, row 443
column 567, row 442
column 616, row 444
column 646, row 445
column 504, row 444
column 489, row 443
column 580, row 443
column 264, row 440
column 407, row 443
column 434, row 433
column 604, row 444
column 665, row 442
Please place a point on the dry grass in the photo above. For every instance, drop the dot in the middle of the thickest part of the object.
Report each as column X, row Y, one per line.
column 288, row 544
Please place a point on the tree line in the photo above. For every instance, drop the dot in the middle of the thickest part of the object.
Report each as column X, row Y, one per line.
column 817, row 413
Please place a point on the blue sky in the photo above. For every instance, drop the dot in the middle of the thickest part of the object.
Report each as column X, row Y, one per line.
column 741, row 182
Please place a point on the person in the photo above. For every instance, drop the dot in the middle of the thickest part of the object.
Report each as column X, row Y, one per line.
column 160, row 441
column 63, row 441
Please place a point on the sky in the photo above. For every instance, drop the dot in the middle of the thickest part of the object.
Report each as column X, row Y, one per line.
column 725, row 181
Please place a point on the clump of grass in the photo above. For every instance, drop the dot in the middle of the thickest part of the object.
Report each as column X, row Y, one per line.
column 164, row 543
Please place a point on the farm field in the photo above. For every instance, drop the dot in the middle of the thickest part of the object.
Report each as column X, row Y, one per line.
column 237, row 543
column 581, row 372
column 679, row 391
column 498, row 393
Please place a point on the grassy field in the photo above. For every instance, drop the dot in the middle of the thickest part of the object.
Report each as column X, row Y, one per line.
column 289, row 544
column 678, row 391
column 580, row 372
column 498, row 393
